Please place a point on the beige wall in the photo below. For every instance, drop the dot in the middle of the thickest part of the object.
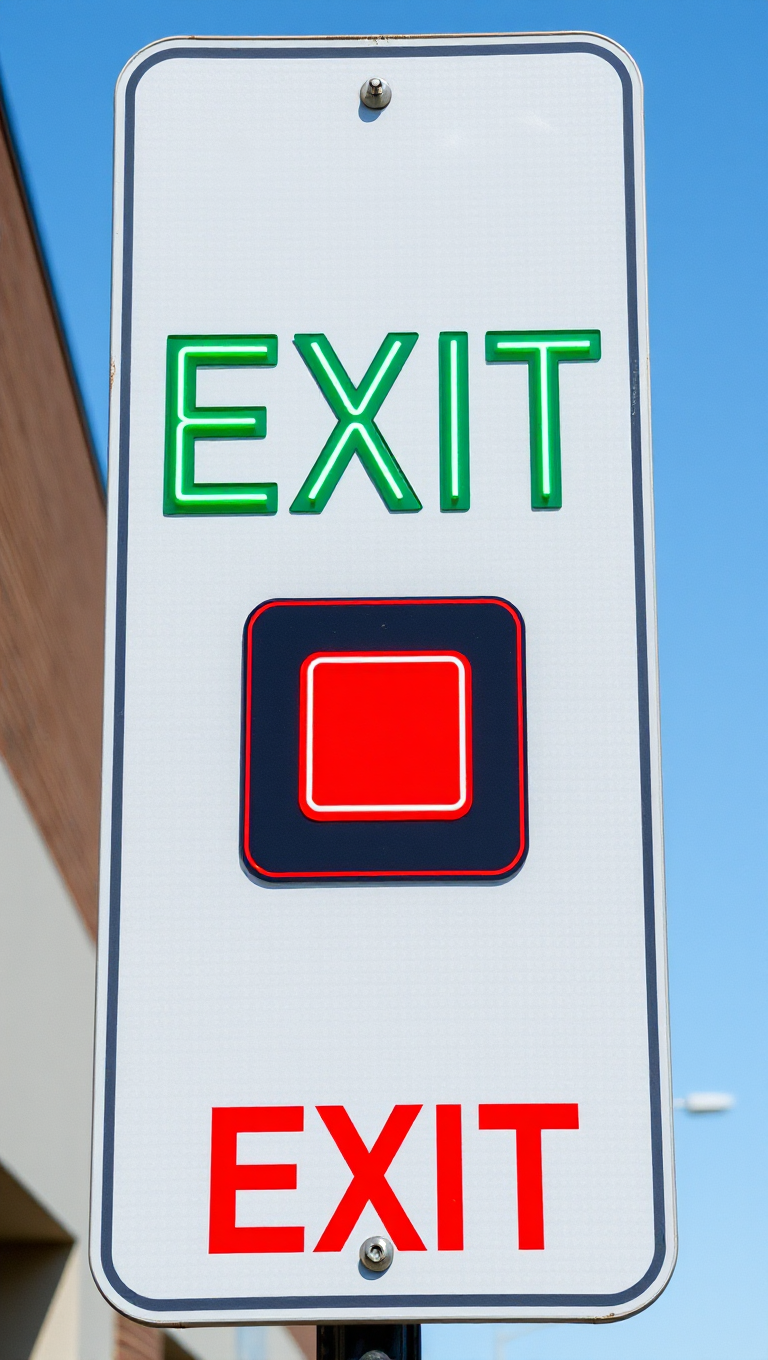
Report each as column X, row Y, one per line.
column 46, row 1027
column 47, row 965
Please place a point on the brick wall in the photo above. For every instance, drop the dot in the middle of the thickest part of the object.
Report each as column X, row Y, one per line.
column 52, row 545
column 135, row 1342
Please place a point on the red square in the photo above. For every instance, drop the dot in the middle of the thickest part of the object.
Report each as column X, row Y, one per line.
column 385, row 736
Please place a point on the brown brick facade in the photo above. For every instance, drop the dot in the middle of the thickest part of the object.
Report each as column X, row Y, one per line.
column 52, row 543
column 306, row 1339
column 135, row 1342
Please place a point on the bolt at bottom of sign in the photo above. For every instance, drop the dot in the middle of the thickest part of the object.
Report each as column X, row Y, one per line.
column 377, row 1253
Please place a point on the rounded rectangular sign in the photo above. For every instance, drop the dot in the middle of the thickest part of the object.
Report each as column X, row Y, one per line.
column 382, row 944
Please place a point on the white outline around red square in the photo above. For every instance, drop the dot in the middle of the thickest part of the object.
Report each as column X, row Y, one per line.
column 392, row 811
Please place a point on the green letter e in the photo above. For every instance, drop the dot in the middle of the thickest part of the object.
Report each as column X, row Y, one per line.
column 186, row 422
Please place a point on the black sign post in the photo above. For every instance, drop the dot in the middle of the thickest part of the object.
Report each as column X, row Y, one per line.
column 369, row 1341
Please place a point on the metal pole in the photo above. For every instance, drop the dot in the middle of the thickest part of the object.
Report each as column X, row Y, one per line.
column 370, row 1341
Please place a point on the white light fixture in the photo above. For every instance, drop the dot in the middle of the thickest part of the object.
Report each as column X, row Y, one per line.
column 705, row 1102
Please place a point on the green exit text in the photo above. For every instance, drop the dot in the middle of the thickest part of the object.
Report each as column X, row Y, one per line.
column 355, row 409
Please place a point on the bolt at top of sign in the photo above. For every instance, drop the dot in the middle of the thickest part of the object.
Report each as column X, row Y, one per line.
column 375, row 93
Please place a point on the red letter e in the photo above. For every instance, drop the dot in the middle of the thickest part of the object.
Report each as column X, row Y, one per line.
column 228, row 1176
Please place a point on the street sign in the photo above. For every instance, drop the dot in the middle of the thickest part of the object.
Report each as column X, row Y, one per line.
column 382, row 931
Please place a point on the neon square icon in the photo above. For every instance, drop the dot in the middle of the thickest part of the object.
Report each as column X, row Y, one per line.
column 385, row 736
column 383, row 741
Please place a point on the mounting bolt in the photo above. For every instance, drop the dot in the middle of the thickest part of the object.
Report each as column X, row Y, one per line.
column 377, row 1253
column 375, row 93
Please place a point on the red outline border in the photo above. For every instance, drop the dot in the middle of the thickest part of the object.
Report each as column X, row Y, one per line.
column 403, row 874
column 379, row 815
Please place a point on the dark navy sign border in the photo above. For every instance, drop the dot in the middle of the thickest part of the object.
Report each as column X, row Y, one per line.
column 394, row 1301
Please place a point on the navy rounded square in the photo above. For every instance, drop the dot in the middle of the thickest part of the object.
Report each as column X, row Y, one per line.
column 280, row 845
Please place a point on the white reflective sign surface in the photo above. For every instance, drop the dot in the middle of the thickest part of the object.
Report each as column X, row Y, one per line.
column 382, row 944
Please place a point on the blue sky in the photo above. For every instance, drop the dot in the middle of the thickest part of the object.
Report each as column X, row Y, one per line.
column 704, row 68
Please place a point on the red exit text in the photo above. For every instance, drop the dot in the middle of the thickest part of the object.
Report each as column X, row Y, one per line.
column 369, row 1167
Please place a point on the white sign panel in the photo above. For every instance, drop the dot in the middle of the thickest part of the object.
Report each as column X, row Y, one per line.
column 382, row 930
